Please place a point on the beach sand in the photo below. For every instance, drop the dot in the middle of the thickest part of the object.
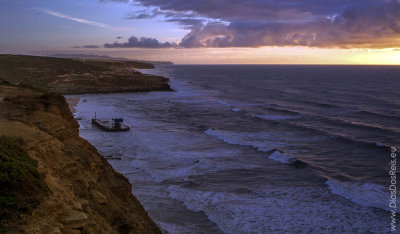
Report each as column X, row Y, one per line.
column 72, row 102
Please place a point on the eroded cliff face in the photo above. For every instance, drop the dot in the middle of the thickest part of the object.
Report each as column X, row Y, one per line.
column 85, row 193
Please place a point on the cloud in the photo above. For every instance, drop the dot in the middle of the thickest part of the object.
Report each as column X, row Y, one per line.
column 87, row 47
column 144, row 14
column 192, row 24
column 254, row 9
column 114, row 0
column 143, row 42
column 151, row 13
column 370, row 26
column 83, row 21
column 255, row 23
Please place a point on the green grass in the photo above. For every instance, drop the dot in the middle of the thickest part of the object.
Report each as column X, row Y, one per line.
column 39, row 71
column 23, row 85
column 21, row 185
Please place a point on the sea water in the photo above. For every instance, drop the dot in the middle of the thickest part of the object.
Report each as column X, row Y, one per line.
column 257, row 149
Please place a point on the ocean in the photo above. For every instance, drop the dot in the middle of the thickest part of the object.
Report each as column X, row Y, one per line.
column 257, row 148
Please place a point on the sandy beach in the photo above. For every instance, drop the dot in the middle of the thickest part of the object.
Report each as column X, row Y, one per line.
column 72, row 102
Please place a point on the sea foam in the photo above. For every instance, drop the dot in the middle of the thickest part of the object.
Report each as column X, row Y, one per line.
column 279, row 209
column 245, row 139
column 282, row 157
column 362, row 193
column 261, row 141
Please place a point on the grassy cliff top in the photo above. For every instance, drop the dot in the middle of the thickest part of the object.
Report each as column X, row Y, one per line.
column 72, row 76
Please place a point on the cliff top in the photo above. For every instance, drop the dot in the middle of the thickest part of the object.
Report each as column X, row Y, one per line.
column 104, row 57
column 75, row 76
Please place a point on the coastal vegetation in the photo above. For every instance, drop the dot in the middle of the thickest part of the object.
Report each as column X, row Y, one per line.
column 21, row 185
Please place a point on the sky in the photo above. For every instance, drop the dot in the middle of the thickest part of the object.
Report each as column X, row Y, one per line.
column 207, row 31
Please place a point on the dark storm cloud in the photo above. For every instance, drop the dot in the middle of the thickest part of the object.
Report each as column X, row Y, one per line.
column 193, row 24
column 254, row 23
column 257, row 9
column 367, row 26
column 143, row 42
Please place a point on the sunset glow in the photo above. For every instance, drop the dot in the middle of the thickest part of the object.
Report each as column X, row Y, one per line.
column 259, row 32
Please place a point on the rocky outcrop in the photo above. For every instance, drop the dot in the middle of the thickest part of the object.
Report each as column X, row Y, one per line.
column 109, row 82
column 86, row 195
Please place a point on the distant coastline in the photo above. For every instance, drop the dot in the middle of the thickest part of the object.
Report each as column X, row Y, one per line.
column 80, row 76
column 104, row 57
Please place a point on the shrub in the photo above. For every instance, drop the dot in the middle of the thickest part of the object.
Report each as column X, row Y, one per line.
column 21, row 185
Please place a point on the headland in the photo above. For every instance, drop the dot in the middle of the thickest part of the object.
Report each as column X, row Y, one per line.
column 52, row 180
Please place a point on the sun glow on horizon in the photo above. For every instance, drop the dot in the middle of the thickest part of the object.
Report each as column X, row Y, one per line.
column 263, row 55
column 378, row 57
column 217, row 34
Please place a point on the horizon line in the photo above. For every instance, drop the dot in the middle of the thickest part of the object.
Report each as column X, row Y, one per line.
column 227, row 64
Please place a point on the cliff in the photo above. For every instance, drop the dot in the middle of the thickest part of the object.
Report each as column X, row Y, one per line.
column 81, row 193
column 75, row 76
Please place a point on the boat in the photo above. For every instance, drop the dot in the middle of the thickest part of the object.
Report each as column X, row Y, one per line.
column 115, row 125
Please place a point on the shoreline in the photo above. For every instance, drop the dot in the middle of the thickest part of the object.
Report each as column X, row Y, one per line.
column 121, row 158
column 72, row 103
